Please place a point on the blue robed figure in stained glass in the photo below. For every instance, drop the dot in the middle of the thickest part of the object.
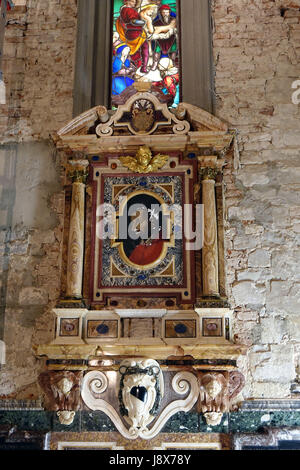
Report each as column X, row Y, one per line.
column 145, row 46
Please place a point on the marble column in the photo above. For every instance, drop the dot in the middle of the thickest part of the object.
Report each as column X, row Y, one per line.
column 78, row 173
column 210, row 265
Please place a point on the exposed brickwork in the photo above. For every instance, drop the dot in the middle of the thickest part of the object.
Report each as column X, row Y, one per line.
column 38, row 67
column 257, row 54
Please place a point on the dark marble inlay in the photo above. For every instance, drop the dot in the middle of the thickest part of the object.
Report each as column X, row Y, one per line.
column 96, row 421
column 140, row 393
column 26, row 420
column 192, row 422
column 221, row 428
column 182, row 423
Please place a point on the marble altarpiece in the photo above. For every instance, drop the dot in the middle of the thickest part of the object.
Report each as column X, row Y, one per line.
column 143, row 328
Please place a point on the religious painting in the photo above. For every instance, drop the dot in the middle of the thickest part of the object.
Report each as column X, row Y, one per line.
column 143, row 252
column 139, row 247
column 146, row 47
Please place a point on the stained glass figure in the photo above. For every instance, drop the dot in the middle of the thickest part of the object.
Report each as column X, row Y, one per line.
column 145, row 47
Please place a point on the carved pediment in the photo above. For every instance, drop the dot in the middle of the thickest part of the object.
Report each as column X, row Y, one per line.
column 143, row 120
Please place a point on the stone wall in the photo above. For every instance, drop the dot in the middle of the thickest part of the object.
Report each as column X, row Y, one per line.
column 256, row 52
column 257, row 55
column 38, row 66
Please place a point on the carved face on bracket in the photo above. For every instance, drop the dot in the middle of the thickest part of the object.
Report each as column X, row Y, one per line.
column 213, row 388
column 65, row 385
column 213, row 418
column 66, row 417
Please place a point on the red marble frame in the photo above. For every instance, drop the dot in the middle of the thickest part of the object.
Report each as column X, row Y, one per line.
column 130, row 291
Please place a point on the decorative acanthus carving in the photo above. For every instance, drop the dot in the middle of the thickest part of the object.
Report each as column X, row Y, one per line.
column 78, row 171
column 143, row 162
column 208, row 173
column 62, row 390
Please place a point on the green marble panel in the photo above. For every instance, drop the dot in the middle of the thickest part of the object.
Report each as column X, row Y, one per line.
column 251, row 421
column 284, row 418
column 58, row 427
column 221, row 428
column 183, row 423
column 96, row 421
column 27, row 420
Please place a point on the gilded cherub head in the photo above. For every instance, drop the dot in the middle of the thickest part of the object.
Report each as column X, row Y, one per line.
column 144, row 156
column 143, row 162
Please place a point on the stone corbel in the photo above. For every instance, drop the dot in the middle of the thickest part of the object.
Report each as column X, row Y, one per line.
column 140, row 390
column 62, row 390
column 217, row 391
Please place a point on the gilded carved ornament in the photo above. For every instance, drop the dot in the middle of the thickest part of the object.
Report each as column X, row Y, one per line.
column 143, row 162
column 78, row 171
column 208, row 173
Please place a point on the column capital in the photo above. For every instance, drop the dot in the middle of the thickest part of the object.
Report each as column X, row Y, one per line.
column 78, row 170
column 208, row 173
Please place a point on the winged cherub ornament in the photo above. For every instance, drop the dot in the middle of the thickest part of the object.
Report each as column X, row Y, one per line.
column 143, row 162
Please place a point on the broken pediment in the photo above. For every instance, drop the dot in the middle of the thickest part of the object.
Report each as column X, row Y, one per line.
column 143, row 120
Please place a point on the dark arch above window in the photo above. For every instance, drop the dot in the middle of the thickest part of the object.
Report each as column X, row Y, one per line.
column 93, row 55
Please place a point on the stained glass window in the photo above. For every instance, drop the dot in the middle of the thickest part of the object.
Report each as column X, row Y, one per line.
column 146, row 47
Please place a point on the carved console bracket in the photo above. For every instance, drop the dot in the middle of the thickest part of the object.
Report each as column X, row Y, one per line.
column 141, row 388
column 133, row 396
column 62, row 391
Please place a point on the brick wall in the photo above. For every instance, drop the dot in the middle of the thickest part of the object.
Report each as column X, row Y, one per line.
column 38, row 66
column 257, row 53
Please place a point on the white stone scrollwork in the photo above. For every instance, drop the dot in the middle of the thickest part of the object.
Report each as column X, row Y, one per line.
column 93, row 381
column 181, row 383
column 97, row 383
column 180, row 127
